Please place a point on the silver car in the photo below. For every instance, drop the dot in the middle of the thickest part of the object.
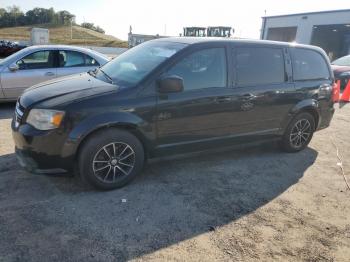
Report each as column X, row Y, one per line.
column 37, row 64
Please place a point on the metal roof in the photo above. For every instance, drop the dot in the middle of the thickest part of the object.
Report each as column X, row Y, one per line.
column 309, row 13
column 57, row 47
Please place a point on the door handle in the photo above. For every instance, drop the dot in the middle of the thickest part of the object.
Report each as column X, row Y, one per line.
column 248, row 97
column 49, row 74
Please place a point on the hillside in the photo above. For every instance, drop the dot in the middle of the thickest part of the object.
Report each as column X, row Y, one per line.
column 62, row 35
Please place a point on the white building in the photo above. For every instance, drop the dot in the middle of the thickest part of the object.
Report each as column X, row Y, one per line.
column 39, row 36
column 328, row 29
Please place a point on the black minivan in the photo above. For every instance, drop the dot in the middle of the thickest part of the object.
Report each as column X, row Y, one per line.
column 173, row 95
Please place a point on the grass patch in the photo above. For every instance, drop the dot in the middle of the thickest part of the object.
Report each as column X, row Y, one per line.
column 62, row 35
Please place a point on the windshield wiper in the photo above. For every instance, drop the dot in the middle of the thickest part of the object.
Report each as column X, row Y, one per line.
column 107, row 76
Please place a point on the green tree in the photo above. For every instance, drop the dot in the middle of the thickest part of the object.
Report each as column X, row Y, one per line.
column 92, row 27
column 13, row 16
column 14, row 13
column 100, row 30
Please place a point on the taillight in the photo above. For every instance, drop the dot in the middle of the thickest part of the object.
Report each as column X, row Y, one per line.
column 336, row 92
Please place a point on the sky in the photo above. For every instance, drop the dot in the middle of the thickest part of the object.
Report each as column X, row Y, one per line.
column 169, row 17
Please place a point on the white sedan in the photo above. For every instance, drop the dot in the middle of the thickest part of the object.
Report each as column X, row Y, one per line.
column 36, row 64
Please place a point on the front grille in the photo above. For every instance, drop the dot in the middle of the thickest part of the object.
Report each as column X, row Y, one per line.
column 19, row 112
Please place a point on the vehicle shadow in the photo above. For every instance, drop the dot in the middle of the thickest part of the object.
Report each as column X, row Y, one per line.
column 173, row 200
column 6, row 110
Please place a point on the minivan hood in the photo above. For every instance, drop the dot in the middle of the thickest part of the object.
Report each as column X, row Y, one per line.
column 65, row 89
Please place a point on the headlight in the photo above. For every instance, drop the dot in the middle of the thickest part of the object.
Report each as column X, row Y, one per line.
column 44, row 119
column 345, row 74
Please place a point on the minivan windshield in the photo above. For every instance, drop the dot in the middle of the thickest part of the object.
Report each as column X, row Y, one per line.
column 343, row 61
column 131, row 67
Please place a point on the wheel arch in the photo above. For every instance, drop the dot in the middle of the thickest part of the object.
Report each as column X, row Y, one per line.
column 131, row 128
column 89, row 127
column 312, row 111
column 308, row 106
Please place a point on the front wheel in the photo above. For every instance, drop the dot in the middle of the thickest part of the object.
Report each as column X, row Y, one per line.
column 298, row 133
column 111, row 158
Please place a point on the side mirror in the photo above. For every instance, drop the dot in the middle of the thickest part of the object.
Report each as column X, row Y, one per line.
column 13, row 67
column 170, row 84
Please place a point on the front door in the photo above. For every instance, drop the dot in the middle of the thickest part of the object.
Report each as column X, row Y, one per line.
column 202, row 110
column 33, row 69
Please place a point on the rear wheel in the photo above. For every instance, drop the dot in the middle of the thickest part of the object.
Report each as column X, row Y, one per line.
column 298, row 133
column 111, row 158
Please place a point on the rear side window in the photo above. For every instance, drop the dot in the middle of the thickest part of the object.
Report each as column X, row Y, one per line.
column 309, row 65
column 75, row 59
column 259, row 66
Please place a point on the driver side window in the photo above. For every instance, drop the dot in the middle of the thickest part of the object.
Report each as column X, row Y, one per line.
column 202, row 69
column 37, row 60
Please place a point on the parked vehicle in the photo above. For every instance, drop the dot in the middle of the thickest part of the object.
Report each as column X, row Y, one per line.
column 8, row 48
column 341, row 70
column 194, row 31
column 173, row 95
column 220, row 31
column 37, row 64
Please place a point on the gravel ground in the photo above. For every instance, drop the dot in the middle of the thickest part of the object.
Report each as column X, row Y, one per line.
column 255, row 204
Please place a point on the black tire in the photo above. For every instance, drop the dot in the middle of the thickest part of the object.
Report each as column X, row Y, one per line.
column 106, row 151
column 298, row 133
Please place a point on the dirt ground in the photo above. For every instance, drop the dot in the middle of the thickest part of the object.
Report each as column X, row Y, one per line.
column 255, row 204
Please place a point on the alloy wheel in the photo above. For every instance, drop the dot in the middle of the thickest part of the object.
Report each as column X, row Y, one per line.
column 301, row 133
column 113, row 161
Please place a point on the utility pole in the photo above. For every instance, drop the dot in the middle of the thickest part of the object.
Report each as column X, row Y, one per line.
column 71, row 28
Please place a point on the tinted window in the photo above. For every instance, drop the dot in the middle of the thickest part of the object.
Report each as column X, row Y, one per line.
column 259, row 66
column 37, row 60
column 308, row 65
column 75, row 59
column 202, row 69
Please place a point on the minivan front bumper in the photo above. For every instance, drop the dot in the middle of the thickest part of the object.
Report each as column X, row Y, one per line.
column 40, row 151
